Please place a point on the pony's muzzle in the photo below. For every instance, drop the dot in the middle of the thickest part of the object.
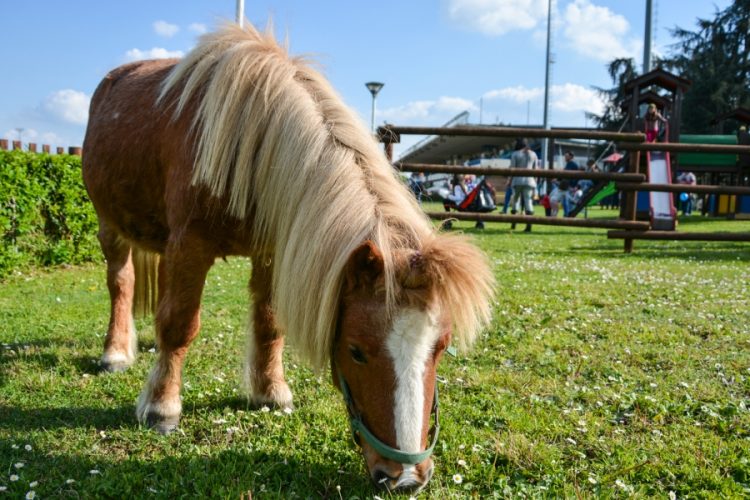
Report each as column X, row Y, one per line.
column 395, row 477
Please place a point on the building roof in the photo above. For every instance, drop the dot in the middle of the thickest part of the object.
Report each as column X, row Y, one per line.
column 661, row 78
column 443, row 149
column 740, row 114
column 648, row 97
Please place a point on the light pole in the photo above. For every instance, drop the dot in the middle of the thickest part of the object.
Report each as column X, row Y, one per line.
column 374, row 88
column 240, row 12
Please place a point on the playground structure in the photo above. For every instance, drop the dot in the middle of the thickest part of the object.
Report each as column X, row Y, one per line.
column 630, row 182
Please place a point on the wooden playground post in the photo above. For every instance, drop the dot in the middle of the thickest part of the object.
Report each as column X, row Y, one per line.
column 629, row 209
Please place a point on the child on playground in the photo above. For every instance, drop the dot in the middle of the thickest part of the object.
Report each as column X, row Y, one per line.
column 652, row 119
column 556, row 196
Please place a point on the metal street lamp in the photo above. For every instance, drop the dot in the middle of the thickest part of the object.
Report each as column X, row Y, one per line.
column 240, row 12
column 374, row 88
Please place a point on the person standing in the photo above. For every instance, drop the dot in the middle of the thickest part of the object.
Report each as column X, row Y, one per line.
column 570, row 164
column 686, row 199
column 523, row 187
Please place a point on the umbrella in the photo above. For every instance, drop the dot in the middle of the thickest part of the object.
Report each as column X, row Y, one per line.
column 613, row 158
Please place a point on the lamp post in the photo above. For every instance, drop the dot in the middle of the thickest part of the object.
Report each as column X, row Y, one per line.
column 240, row 12
column 374, row 88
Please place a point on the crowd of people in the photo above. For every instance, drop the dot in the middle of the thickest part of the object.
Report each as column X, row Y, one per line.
column 559, row 194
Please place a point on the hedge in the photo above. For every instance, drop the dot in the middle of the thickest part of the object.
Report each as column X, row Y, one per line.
column 46, row 217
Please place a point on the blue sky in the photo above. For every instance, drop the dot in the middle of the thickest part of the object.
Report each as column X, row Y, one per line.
column 437, row 58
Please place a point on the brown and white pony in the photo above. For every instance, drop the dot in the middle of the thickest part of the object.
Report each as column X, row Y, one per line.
column 239, row 149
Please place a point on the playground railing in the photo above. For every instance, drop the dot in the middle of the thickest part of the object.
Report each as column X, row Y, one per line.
column 630, row 182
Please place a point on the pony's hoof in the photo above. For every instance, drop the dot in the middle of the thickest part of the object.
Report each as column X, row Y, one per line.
column 278, row 396
column 161, row 424
column 115, row 363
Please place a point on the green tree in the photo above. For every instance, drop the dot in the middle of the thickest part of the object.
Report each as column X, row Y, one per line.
column 715, row 57
column 620, row 70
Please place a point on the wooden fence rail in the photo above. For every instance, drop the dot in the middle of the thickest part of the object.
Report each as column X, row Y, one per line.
column 520, row 172
column 626, row 227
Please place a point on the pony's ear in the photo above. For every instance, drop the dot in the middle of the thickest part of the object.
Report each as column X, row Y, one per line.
column 419, row 271
column 365, row 265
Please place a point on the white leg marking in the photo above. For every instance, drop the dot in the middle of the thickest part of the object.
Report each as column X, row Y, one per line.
column 165, row 408
column 123, row 359
column 409, row 344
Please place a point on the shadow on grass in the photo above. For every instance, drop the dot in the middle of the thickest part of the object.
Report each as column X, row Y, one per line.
column 702, row 251
column 32, row 419
column 232, row 473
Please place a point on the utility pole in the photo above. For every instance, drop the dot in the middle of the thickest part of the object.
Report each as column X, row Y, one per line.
column 241, row 12
column 548, row 63
column 647, row 38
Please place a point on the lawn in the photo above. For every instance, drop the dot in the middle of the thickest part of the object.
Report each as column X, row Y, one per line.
column 603, row 374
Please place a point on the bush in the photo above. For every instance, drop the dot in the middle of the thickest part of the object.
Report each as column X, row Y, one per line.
column 46, row 217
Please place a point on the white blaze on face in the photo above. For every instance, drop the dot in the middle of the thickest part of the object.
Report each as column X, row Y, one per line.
column 410, row 343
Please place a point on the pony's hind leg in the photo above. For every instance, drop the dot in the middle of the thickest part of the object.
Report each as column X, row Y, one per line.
column 183, row 270
column 264, row 370
column 121, row 342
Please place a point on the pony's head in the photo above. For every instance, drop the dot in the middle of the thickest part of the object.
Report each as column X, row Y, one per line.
column 385, row 356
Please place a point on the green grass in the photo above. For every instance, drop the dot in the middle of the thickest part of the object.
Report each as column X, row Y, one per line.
column 603, row 374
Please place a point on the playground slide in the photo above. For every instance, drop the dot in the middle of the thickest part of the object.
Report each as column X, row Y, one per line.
column 661, row 209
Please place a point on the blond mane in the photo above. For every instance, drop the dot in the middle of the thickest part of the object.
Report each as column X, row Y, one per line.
column 277, row 141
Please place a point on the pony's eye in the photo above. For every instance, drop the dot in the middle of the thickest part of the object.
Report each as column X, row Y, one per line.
column 357, row 355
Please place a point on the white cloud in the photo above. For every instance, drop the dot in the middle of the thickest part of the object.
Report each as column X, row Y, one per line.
column 154, row 53
column 516, row 94
column 68, row 105
column 441, row 110
column 198, row 28
column 165, row 29
column 497, row 17
column 571, row 97
column 568, row 97
column 597, row 32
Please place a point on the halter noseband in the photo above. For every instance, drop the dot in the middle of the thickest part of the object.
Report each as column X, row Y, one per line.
column 359, row 428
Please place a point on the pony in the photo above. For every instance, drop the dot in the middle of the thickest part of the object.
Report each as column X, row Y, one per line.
column 241, row 149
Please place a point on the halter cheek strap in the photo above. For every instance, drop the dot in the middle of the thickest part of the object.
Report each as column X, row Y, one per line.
column 360, row 429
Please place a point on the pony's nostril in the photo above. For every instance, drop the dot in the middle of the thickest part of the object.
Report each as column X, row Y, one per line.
column 381, row 477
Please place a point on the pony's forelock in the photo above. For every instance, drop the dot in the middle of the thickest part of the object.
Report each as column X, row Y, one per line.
column 275, row 140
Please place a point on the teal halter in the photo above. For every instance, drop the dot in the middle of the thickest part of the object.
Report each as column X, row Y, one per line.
column 385, row 451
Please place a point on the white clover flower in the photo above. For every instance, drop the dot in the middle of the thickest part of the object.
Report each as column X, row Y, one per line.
column 27, row 447
column 70, row 481
column 33, row 484
column 462, row 463
column 31, row 495
column 672, row 495
column 15, row 446
column 265, row 409
column 458, row 479
column 13, row 478
column 18, row 465
column 3, row 488
column 592, row 480
column 94, row 472
column 288, row 410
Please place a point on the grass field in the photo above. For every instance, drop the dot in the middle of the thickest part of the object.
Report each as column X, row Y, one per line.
column 603, row 374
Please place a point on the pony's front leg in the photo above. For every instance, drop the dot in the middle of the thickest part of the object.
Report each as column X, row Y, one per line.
column 264, row 369
column 184, row 269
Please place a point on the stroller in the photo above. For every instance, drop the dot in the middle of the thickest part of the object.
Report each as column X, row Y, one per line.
column 481, row 199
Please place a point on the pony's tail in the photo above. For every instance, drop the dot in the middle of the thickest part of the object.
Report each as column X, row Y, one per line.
column 146, row 282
